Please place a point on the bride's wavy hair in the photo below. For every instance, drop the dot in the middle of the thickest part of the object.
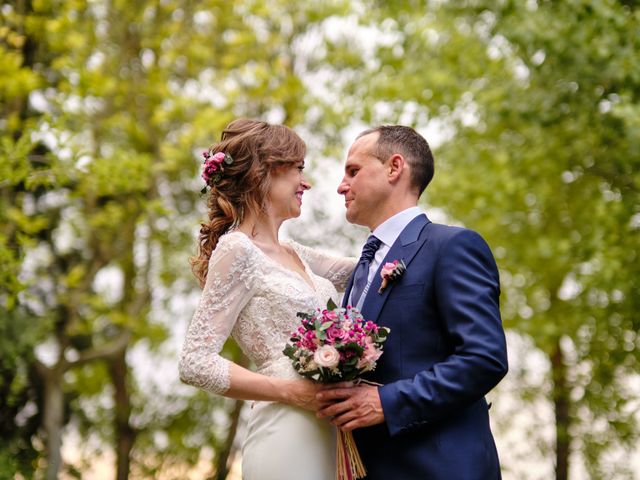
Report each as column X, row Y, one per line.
column 257, row 148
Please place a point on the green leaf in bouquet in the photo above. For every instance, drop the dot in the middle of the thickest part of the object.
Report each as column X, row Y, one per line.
column 350, row 374
column 325, row 325
column 331, row 305
column 353, row 361
column 352, row 346
column 383, row 332
column 290, row 351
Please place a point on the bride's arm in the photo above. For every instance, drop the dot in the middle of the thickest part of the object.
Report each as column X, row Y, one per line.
column 335, row 269
column 248, row 385
column 230, row 284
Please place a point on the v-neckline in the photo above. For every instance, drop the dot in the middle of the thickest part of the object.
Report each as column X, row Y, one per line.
column 309, row 283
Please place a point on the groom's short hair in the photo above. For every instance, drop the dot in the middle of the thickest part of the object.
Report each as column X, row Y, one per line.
column 411, row 145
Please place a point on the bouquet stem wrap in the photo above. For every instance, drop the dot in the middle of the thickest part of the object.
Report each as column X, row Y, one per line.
column 349, row 463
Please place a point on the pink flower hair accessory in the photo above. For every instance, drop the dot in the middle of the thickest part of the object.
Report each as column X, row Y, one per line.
column 213, row 167
column 391, row 272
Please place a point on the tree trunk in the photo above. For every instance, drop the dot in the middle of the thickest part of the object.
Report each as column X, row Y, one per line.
column 226, row 455
column 53, row 417
column 561, row 404
column 125, row 434
column 53, row 401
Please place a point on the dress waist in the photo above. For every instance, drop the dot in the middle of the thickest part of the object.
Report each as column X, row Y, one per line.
column 279, row 368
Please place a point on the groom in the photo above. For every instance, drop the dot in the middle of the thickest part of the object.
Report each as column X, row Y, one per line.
column 446, row 350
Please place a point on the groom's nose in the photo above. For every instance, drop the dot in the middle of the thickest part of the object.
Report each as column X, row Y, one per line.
column 343, row 187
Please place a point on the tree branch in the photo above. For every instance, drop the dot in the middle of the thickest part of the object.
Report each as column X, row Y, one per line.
column 109, row 351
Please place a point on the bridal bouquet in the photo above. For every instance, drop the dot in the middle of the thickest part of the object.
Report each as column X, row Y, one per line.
column 335, row 345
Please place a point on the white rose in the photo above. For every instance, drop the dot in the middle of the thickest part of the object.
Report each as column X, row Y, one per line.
column 327, row 356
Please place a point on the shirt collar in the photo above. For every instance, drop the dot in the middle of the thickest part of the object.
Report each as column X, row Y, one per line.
column 389, row 230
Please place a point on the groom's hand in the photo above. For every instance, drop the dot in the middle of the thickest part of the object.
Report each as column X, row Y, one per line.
column 351, row 407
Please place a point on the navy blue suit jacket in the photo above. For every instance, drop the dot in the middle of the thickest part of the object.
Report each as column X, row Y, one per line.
column 446, row 350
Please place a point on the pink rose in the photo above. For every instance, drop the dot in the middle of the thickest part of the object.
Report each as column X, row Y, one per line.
column 334, row 333
column 327, row 356
column 329, row 314
column 370, row 356
column 218, row 158
column 387, row 268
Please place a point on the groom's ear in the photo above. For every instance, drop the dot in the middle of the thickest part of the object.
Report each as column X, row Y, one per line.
column 396, row 167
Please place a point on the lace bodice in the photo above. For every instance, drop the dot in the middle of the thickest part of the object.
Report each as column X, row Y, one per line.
column 253, row 298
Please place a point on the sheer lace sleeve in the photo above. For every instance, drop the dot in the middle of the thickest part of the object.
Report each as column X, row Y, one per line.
column 335, row 269
column 230, row 285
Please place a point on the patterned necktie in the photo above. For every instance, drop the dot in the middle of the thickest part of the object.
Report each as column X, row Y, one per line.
column 362, row 269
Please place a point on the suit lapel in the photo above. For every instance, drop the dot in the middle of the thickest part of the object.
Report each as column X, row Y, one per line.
column 405, row 248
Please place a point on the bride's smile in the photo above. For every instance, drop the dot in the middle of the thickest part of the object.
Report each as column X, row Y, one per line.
column 287, row 186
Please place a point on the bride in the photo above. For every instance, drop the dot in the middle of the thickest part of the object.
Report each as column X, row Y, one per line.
column 253, row 286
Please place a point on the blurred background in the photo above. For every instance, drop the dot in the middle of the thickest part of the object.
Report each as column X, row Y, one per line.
column 533, row 111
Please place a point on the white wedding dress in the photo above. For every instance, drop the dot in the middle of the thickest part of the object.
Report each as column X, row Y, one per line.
column 253, row 298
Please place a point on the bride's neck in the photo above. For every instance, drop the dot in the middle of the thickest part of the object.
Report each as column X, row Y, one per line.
column 263, row 230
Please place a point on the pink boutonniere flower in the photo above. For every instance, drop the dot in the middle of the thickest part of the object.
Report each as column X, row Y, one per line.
column 391, row 271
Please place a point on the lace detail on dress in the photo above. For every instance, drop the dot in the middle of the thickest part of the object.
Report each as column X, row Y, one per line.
column 335, row 269
column 229, row 286
column 255, row 299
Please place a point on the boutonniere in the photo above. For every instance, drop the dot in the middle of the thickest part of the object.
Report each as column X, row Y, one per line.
column 391, row 272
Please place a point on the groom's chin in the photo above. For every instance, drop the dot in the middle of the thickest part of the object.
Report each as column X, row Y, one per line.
column 352, row 218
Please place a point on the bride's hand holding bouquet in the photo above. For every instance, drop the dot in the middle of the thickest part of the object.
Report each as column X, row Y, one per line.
column 337, row 345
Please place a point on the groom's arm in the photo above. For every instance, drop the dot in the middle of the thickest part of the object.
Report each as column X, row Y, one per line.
column 467, row 293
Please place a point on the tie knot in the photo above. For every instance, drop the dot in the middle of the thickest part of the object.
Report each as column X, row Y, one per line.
column 370, row 248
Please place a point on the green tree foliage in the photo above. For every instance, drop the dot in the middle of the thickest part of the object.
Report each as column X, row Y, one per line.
column 538, row 104
column 19, row 231
column 555, row 158
column 106, row 106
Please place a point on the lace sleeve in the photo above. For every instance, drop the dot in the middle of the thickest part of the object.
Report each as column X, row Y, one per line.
column 335, row 269
column 230, row 285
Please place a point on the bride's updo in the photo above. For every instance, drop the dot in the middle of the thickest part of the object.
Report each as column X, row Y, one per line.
column 252, row 150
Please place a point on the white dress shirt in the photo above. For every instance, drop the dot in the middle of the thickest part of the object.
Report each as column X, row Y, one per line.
column 388, row 232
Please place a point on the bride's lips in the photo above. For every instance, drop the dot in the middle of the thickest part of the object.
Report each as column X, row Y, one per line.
column 299, row 196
